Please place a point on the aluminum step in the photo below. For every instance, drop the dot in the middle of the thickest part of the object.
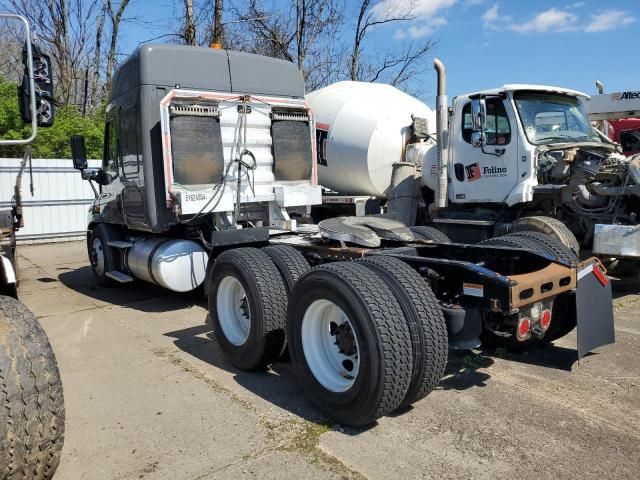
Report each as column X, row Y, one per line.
column 119, row 276
column 119, row 244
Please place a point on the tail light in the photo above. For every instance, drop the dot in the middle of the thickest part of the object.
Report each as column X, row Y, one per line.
column 545, row 319
column 524, row 328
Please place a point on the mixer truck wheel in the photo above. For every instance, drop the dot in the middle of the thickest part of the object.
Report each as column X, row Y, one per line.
column 550, row 245
column 31, row 401
column 425, row 321
column 101, row 256
column 349, row 343
column 550, row 226
column 247, row 307
column 535, row 242
column 422, row 232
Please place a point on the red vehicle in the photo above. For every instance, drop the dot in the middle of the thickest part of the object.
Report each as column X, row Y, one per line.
column 626, row 132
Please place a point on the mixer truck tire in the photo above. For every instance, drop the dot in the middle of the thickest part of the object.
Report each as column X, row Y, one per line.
column 550, row 226
column 31, row 400
column 350, row 345
column 425, row 321
column 247, row 307
column 423, row 232
column 550, row 245
column 101, row 255
column 290, row 262
column 537, row 243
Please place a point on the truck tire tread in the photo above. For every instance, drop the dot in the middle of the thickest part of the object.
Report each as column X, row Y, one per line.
column 290, row 262
column 549, row 225
column 425, row 321
column 31, row 398
column 424, row 232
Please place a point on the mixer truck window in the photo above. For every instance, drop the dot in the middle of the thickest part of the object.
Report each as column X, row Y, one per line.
column 497, row 130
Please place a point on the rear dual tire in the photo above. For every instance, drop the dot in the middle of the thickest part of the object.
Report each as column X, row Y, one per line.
column 350, row 347
column 247, row 307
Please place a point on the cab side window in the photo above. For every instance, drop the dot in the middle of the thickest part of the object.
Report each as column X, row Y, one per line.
column 129, row 141
column 110, row 161
column 497, row 130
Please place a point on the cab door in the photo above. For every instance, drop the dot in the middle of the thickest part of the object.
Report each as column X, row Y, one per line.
column 133, row 200
column 483, row 176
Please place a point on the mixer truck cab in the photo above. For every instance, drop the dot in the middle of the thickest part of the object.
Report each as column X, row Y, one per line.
column 499, row 164
column 209, row 177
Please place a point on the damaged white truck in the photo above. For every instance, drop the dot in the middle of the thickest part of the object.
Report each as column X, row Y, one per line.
column 208, row 177
column 511, row 159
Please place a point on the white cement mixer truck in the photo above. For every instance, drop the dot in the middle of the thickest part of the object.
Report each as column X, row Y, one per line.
column 510, row 159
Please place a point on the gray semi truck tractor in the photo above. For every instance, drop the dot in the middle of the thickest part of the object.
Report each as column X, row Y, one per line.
column 208, row 178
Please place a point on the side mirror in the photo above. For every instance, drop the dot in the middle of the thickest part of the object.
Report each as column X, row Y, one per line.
column 478, row 114
column 78, row 152
column 477, row 139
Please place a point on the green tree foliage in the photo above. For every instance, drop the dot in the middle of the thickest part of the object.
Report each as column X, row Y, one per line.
column 51, row 142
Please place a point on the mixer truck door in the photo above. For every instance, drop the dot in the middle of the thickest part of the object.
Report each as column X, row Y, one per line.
column 488, row 173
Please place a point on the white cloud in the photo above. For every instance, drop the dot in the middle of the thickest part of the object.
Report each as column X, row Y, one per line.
column 492, row 18
column 421, row 29
column 552, row 20
column 421, row 9
column 577, row 5
column 609, row 20
column 491, row 15
column 425, row 14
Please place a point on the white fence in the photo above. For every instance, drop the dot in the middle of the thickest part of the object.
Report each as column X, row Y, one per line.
column 57, row 211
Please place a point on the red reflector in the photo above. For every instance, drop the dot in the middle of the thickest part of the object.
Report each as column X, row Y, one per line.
column 523, row 328
column 600, row 275
column 545, row 320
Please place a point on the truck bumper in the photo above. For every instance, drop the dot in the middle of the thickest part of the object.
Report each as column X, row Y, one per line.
column 594, row 307
column 617, row 240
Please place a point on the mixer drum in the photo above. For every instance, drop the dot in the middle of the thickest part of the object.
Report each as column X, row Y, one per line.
column 363, row 129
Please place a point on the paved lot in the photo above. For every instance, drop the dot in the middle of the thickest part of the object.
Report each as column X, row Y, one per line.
column 149, row 395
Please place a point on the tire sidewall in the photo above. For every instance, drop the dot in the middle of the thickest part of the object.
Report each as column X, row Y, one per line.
column 246, row 354
column 368, row 386
column 99, row 233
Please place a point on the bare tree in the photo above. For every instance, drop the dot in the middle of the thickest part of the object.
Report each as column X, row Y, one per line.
column 63, row 31
column 394, row 65
column 218, row 33
column 190, row 25
column 116, row 18
column 303, row 34
column 95, row 83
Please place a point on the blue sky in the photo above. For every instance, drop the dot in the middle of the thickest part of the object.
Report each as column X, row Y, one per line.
column 485, row 43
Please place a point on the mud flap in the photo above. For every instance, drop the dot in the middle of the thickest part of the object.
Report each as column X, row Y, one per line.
column 594, row 308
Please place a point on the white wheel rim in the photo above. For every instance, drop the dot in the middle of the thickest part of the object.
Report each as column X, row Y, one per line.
column 330, row 346
column 98, row 256
column 233, row 310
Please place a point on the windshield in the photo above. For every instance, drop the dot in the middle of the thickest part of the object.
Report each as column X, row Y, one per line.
column 552, row 118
